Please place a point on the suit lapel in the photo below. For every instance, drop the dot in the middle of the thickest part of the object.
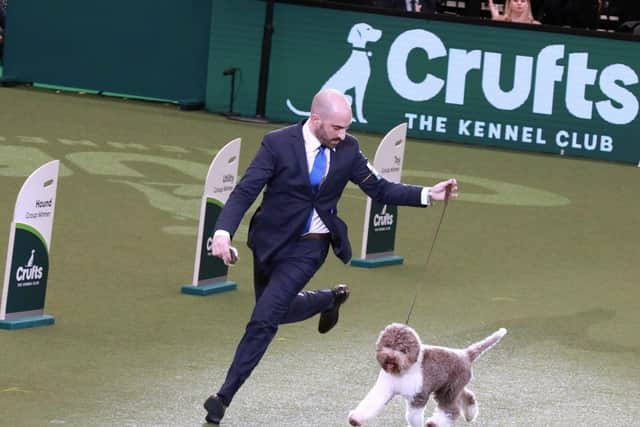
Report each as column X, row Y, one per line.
column 332, row 167
column 301, row 155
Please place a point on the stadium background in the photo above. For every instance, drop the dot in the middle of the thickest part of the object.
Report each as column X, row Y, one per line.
column 543, row 245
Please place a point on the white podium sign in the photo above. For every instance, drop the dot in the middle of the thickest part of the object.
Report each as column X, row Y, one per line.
column 27, row 266
column 209, row 272
column 380, row 220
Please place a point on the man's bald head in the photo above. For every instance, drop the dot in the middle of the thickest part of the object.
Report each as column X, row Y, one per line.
column 329, row 102
column 330, row 117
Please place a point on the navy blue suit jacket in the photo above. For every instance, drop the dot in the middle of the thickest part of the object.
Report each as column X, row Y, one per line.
column 281, row 165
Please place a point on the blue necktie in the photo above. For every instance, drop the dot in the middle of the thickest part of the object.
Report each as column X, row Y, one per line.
column 316, row 175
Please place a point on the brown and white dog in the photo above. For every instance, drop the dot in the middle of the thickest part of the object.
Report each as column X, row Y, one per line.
column 416, row 371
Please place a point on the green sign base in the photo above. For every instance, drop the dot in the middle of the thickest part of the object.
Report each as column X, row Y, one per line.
column 212, row 288
column 27, row 322
column 377, row 262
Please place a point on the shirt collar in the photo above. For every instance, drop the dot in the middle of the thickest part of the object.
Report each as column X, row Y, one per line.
column 311, row 142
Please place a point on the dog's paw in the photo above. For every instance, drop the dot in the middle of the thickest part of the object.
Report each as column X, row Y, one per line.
column 354, row 419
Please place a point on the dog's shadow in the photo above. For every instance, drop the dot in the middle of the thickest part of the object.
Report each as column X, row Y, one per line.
column 569, row 330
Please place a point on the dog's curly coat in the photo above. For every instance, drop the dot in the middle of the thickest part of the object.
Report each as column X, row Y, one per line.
column 416, row 371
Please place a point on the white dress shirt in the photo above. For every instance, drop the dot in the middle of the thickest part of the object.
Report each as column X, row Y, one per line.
column 311, row 144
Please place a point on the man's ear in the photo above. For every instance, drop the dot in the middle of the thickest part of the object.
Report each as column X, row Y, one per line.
column 314, row 120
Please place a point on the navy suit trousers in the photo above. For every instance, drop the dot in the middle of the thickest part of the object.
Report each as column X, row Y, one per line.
column 280, row 299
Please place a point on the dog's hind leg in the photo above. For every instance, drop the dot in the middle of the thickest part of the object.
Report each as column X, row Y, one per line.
column 439, row 418
column 468, row 404
column 444, row 415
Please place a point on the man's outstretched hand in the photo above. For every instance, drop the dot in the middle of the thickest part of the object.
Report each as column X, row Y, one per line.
column 445, row 190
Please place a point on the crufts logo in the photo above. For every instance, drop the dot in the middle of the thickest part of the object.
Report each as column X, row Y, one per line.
column 383, row 219
column 29, row 272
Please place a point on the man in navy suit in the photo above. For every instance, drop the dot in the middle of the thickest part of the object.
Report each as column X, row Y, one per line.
column 305, row 169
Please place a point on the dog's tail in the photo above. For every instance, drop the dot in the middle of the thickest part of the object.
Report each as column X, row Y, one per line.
column 295, row 111
column 478, row 349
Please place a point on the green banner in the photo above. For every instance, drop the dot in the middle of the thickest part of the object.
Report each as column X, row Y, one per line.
column 477, row 84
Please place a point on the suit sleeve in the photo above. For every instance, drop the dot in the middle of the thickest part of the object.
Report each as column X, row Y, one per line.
column 381, row 190
column 245, row 193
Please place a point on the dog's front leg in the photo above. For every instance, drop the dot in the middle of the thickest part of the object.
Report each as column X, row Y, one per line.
column 381, row 393
column 414, row 415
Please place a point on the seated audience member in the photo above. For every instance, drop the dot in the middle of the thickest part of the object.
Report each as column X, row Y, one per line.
column 554, row 12
column 584, row 13
column 473, row 8
column 423, row 6
column 514, row 11
column 628, row 10
column 358, row 2
column 3, row 12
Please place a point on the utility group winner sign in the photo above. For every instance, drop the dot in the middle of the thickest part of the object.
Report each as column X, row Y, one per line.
column 210, row 272
column 512, row 88
column 27, row 266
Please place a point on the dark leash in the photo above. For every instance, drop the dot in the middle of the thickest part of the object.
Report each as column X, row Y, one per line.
column 433, row 244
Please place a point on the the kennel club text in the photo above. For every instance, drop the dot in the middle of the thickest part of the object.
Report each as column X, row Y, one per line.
column 511, row 133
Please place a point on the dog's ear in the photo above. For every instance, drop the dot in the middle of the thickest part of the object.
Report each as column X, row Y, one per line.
column 355, row 35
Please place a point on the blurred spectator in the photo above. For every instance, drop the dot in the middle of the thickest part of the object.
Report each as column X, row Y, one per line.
column 628, row 10
column 360, row 2
column 473, row 8
column 3, row 14
column 424, row 6
column 584, row 13
column 554, row 12
column 572, row 13
column 514, row 11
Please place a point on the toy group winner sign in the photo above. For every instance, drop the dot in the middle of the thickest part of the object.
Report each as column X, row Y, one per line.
column 27, row 267
column 210, row 273
column 380, row 220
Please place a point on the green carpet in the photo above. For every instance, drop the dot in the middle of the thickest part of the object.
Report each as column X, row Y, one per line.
column 545, row 246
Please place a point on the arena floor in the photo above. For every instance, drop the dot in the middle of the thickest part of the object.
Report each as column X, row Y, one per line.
column 543, row 245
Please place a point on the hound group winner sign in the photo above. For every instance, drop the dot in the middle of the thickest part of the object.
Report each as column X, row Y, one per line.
column 27, row 266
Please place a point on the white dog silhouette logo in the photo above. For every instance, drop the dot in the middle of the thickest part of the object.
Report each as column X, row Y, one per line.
column 355, row 72
column 30, row 260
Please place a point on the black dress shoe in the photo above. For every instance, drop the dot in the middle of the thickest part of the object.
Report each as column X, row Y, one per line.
column 215, row 409
column 329, row 318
